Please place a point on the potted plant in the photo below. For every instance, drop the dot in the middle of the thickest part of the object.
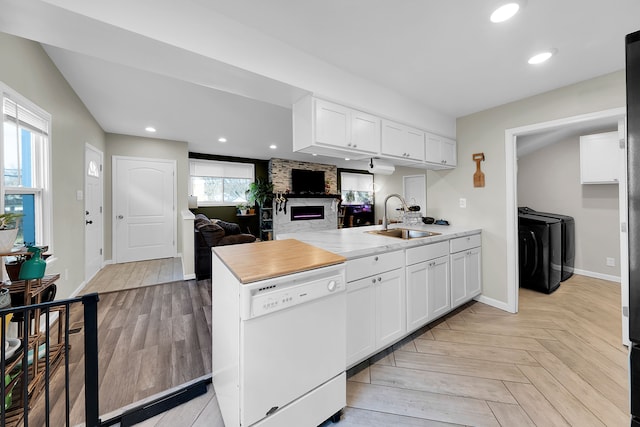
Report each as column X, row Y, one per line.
column 8, row 230
column 260, row 191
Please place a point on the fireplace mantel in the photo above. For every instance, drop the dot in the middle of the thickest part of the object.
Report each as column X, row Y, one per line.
column 308, row 196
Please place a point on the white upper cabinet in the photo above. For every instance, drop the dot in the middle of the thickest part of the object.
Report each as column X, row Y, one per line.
column 440, row 152
column 323, row 127
column 402, row 141
column 601, row 158
column 330, row 129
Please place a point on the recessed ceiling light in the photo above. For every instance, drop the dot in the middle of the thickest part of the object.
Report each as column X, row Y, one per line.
column 504, row 12
column 222, row 139
column 150, row 129
column 313, row 154
column 347, row 159
column 541, row 57
column 273, row 146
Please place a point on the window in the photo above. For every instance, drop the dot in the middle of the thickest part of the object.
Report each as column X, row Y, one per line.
column 24, row 144
column 217, row 183
column 356, row 188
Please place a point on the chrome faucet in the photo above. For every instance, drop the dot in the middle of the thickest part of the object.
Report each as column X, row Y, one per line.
column 384, row 218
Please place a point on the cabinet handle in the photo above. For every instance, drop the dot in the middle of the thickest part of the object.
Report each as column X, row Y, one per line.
column 379, row 279
column 373, row 280
column 375, row 259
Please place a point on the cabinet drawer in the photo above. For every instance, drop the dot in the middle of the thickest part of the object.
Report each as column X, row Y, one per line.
column 464, row 243
column 427, row 252
column 374, row 264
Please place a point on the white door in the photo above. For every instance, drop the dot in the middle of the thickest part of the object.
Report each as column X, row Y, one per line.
column 144, row 193
column 415, row 191
column 93, row 200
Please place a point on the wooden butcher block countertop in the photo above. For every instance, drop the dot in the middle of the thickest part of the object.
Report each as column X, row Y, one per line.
column 264, row 260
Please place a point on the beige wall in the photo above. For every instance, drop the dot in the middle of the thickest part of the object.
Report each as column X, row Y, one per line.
column 549, row 181
column 27, row 69
column 135, row 146
column 485, row 132
column 388, row 184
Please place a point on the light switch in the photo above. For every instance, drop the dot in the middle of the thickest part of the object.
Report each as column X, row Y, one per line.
column 463, row 203
column 79, row 195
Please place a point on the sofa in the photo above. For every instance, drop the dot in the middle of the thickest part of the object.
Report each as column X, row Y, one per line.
column 210, row 233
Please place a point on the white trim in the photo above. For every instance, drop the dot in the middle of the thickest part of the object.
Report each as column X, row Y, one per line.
column 511, row 186
column 602, row 276
column 493, row 303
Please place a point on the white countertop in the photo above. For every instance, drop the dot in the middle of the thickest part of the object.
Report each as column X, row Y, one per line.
column 356, row 242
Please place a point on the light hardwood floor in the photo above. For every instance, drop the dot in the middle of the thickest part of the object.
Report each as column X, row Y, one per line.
column 151, row 339
column 558, row 362
column 130, row 275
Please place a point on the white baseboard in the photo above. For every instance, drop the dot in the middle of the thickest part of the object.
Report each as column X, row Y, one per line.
column 78, row 289
column 597, row 275
column 493, row 303
column 189, row 276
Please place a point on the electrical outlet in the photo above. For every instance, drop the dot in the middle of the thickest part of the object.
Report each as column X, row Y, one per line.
column 463, row 203
column 611, row 262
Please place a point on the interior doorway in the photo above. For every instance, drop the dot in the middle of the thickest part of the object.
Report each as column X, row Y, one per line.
column 586, row 121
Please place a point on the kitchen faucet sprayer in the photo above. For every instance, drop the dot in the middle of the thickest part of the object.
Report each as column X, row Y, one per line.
column 404, row 207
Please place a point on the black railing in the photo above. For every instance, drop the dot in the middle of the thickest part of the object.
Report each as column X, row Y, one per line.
column 44, row 351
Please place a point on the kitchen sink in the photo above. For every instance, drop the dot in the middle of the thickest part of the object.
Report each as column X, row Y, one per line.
column 404, row 233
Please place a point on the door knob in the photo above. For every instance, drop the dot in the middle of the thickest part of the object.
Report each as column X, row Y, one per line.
column 88, row 222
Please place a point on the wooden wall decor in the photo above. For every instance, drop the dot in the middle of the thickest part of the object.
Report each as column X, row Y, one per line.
column 478, row 177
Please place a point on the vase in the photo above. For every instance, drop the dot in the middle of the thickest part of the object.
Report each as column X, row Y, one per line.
column 34, row 267
column 13, row 269
column 7, row 239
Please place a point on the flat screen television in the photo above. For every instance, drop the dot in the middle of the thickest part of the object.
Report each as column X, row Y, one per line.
column 307, row 182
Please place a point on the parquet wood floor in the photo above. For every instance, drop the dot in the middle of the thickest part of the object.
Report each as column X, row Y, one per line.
column 558, row 362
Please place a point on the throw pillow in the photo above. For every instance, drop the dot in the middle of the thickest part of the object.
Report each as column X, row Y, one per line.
column 230, row 228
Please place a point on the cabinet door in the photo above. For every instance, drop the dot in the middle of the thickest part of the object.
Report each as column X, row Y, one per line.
column 458, row 273
column 333, row 126
column 365, row 132
column 473, row 266
column 466, row 276
column 448, row 152
column 360, row 320
column 417, row 295
column 390, row 307
column 438, row 286
column 440, row 151
column 600, row 158
column 401, row 141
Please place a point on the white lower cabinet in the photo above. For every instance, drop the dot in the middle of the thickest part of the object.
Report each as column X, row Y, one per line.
column 466, row 275
column 428, row 284
column 376, row 310
column 361, row 324
column 390, row 307
column 390, row 295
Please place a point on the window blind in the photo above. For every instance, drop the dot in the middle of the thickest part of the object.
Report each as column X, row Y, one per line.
column 214, row 168
column 26, row 118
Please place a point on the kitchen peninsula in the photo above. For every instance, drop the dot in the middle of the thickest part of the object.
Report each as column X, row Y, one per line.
column 396, row 286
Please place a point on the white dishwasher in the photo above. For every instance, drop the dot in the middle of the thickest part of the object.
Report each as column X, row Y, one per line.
column 285, row 353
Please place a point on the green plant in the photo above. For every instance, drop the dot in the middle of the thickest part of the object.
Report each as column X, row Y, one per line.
column 260, row 191
column 9, row 220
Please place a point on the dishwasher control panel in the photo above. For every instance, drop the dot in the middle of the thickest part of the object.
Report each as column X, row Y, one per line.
column 281, row 293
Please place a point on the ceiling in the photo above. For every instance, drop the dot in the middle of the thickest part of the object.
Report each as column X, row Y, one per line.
column 444, row 55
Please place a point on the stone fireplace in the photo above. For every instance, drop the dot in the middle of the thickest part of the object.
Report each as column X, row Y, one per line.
column 305, row 214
